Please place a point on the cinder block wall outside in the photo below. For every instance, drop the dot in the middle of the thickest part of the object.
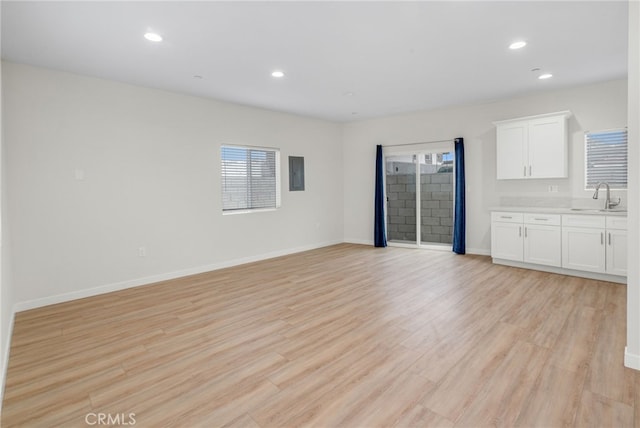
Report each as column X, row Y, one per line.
column 436, row 203
column 235, row 196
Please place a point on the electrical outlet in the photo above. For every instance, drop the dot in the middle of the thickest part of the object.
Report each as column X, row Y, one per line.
column 553, row 188
column 142, row 252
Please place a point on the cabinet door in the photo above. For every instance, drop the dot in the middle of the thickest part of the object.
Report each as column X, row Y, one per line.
column 547, row 148
column 617, row 252
column 506, row 241
column 542, row 245
column 511, row 144
column 583, row 249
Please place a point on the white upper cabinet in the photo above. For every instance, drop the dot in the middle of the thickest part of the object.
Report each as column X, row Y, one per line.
column 532, row 147
column 548, row 147
column 512, row 150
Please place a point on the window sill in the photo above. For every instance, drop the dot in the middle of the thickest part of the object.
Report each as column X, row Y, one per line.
column 257, row 210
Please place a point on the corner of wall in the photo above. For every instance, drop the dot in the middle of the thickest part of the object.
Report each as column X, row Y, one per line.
column 632, row 351
column 7, row 309
column 6, row 304
column 631, row 360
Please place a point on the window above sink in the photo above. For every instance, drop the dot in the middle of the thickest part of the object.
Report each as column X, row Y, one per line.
column 606, row 158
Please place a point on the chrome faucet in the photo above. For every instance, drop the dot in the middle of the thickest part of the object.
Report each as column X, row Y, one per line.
column 607, row 203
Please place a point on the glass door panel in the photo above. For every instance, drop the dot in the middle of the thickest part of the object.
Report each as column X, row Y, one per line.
column 401, row 198
column 436, row 198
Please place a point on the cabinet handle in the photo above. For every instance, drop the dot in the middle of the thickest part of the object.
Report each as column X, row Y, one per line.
column 609, row 238
column 524, row 171
column 601, row 238
column 541, row 219
column 505, row 216
column 529, row 170
column 520, row 231
column 525, row 232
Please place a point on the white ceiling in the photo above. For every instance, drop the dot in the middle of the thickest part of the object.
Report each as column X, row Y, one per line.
column 393, row 56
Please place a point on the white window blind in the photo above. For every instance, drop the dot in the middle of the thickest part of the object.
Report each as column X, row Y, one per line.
column 249, row 178
column 606, row 158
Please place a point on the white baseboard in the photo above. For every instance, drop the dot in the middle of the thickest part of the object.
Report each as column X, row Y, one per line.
column 563, row 271
column 631, row 360
column 479, row 251
column 108, row 288
column 358, row 241
column 5, row 359
column 474, row 251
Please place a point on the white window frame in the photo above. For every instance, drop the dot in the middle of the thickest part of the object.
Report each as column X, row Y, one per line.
column 277, row 181
column 620, row 136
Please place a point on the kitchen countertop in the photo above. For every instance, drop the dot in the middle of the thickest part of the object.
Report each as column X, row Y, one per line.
column 622, row 212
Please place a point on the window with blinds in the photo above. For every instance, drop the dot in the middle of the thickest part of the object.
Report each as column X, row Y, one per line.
column 250, row 178
column 606, row 158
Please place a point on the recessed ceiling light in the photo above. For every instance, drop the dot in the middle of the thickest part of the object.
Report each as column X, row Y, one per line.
column 545, row 76
column 518, row 45
column 153, row 37
column 278, row 73
column 348, row 94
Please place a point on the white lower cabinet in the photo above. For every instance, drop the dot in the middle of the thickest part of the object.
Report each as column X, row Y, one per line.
column 583, row 249
column 506, row 236
column 542, row 245
column 587, row 243
column 526, row 238
column 616, row 240
column 506, row 241
column 595, row 244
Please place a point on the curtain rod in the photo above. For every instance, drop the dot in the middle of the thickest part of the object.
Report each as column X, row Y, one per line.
column 422, row 142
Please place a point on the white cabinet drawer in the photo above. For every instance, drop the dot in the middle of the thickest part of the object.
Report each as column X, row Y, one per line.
column 548, row 219
column 506, row 217
column 595, row 221
column 617, row 222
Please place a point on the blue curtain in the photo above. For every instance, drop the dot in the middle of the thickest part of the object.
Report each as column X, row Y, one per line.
column 459, row 216
column 379, row 232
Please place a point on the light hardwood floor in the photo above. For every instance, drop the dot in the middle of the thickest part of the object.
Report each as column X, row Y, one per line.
column 347, row 336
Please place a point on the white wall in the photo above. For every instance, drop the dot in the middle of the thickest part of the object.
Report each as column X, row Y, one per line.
column 151, row 165
column 632, row 353
column 594, row 107
column 6, row 298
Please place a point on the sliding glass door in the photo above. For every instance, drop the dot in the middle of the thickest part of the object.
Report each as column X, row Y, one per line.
column 420, row 214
